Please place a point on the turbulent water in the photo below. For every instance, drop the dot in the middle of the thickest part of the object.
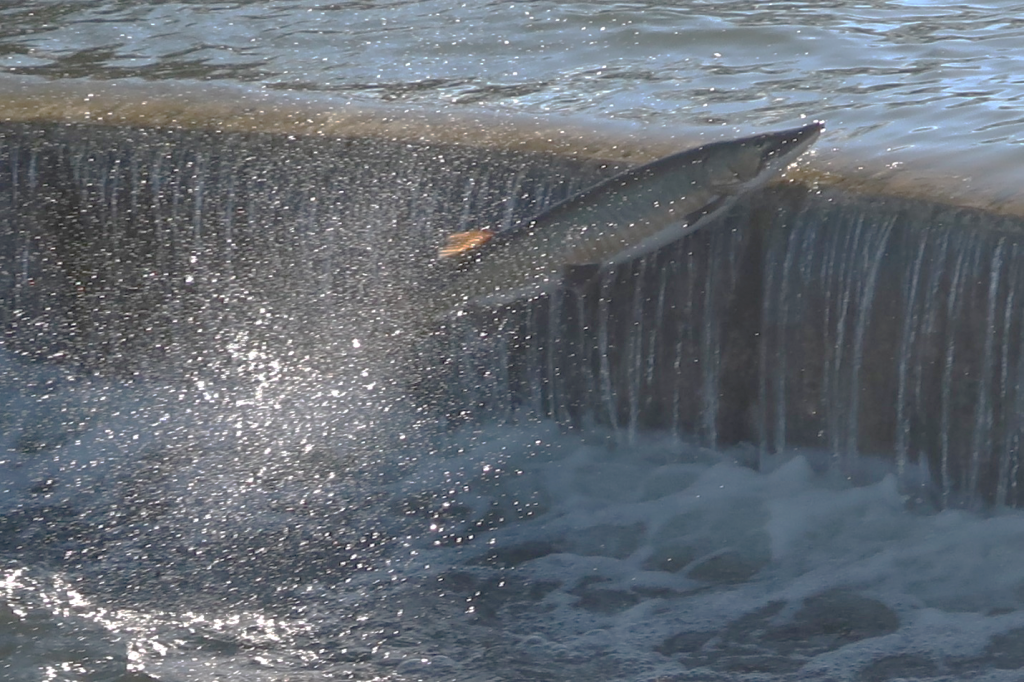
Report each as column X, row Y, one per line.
column 279, row 519
column 151, row 540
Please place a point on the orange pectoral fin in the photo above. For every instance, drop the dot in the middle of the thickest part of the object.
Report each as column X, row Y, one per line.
column 464, row 242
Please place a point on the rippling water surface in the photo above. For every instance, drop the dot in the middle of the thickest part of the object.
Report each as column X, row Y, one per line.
column 902, row 73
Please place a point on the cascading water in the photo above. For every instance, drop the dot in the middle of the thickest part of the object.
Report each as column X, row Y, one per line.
column 229, row 452
column 906, row 298
column 828, row 321
column 246, row 293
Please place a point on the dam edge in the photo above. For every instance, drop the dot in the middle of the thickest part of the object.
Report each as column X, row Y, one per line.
column 825, row 313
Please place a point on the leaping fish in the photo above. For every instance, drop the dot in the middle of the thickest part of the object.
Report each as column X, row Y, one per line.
column 622, row 218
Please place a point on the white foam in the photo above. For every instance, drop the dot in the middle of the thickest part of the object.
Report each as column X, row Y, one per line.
column 561, row 553
column 950, row 581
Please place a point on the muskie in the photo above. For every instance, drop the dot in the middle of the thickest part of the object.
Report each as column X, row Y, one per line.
column 627, row 216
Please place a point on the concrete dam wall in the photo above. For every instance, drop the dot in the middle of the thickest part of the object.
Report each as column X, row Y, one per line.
column 813, row 316
column 850, row 324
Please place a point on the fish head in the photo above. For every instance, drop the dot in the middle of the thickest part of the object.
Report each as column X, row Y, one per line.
column 742, row 165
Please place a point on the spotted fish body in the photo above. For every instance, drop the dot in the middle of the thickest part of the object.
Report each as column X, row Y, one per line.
column 622, row 218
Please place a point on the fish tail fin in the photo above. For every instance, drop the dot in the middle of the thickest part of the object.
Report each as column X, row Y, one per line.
column 460, row 243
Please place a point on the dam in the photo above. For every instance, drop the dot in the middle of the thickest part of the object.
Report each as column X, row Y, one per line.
column 845, row 319
column 787, row 445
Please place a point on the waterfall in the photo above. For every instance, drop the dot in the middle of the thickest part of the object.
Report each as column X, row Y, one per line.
column 860, row 326
column 856, row 324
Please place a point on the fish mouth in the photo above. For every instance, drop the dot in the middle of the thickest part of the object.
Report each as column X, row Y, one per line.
column 782, row 147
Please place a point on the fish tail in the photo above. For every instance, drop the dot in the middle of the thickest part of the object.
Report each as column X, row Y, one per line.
column 461, row 243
